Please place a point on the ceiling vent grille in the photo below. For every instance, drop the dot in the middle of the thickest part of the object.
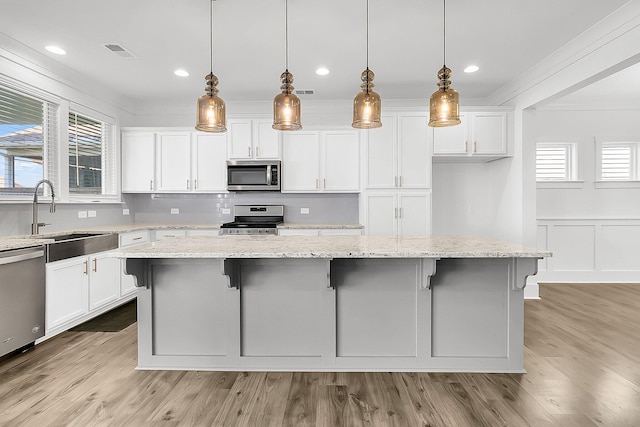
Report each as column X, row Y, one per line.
column 119, row 50
column 304, row 92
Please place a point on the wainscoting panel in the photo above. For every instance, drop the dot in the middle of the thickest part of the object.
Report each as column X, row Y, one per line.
column 589, row 250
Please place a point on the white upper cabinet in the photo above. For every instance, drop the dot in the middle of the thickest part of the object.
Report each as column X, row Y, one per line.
column 321, row 161
column 398, row 155
column 138, row 162
column 253, row 139
column 209, row 162
column 482, row 136
column 173, row 162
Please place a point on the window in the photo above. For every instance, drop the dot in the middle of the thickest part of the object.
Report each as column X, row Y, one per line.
column 555, row 161
column 619, row 161
column 27, row 129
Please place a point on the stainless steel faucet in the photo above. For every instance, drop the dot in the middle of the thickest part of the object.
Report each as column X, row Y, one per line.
column 35, row 225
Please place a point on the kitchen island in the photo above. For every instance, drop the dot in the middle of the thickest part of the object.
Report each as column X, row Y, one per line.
column 331, row 303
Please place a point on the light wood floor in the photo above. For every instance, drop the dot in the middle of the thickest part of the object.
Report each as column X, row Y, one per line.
column 582, row 358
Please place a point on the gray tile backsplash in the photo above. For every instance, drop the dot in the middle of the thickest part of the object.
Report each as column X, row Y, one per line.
column 209, row 208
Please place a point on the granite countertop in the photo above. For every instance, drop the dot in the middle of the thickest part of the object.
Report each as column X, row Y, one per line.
column 330, row 247
column 26, row 241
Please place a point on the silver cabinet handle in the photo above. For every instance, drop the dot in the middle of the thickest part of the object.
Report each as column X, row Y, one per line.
column 95, row 265
column 475, row 146
column 137, row 238
column 395, row 214
column 249, row 151
column 196, row 183
column 325, row 183
column 188, row 184
column 86, row 268
column 395, row 181
column 257, row 151
column 400, row 180
column 466, row 146
column 400, row 213
column 151, row 185
column 316, row 183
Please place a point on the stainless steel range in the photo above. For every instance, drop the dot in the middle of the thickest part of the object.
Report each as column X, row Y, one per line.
column 254, row 219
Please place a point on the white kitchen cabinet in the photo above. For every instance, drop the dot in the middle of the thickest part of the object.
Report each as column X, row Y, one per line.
column 398, row 213
column 127, row 283
column 209, row 162
column 78, row 286
column 138, row 162
column 104, row 280
column 398, row 155
column 174, row 161
column 253, row 139
column 321, row 161
column 481, row 136
column 167, row 234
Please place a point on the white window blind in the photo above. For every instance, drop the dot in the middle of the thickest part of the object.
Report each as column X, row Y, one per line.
column 91, row 156
column 618, row 161
column 27, row 141
column 554, row 161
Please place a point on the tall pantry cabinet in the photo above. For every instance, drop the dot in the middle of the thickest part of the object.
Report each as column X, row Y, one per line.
column 396, row 198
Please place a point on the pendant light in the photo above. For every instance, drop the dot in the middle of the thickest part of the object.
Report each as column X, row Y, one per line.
column 366, row 104
column 444, row 108
column 286, row 105
column 211, row 116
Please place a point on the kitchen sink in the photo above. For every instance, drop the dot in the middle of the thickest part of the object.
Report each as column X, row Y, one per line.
column 77, row 244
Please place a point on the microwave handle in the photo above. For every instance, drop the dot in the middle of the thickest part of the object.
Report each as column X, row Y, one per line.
column 268, row 174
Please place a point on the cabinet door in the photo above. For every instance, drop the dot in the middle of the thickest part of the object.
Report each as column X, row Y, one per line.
column 240, row 139
column 104, row 284
column 210, row 162
column 301, row 162
column 381, row 155
column 138, row 162
column 174, row 163
column 452, row 139
column 414, row 214
column 381, row 214
column 414, row 151
column 341, row 161
column 266, row 140
column 490, row 133
column 66, row 291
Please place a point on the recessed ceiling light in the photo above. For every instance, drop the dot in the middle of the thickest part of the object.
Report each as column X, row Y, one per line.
column 181, row 73
column 471, row 69
column 322, row 71
column 55, row 49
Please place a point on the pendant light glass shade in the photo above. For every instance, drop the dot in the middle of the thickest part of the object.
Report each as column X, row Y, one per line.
column 286, row 106
column 212, row 115
column 366, row 105
column 444, row 105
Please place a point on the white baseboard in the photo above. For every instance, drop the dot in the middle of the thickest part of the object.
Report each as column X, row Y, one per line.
column 532, row 291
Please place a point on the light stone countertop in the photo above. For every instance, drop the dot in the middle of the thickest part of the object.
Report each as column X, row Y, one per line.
column 330, row 247
column 26, row 240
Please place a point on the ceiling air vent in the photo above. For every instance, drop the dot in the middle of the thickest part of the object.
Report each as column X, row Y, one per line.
column 304, row 91
column 119, row 50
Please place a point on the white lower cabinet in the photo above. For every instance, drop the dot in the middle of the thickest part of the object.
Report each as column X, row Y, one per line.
column 77, row 287
column 398, row 213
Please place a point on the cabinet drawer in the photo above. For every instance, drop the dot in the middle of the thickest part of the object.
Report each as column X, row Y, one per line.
column 134, row 238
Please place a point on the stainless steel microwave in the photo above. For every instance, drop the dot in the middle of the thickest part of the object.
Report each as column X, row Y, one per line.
column 253, row 175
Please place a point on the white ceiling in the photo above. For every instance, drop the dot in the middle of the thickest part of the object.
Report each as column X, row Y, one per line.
column 503, row 37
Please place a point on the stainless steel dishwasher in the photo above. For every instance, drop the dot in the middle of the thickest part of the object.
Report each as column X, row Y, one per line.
column 22, row 298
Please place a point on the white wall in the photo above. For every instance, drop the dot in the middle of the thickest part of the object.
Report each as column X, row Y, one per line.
column 593, row 232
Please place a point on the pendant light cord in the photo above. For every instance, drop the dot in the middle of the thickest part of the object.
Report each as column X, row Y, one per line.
column 367, row 34
column 211, row 28
column 286, row 35
column 444, row 31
